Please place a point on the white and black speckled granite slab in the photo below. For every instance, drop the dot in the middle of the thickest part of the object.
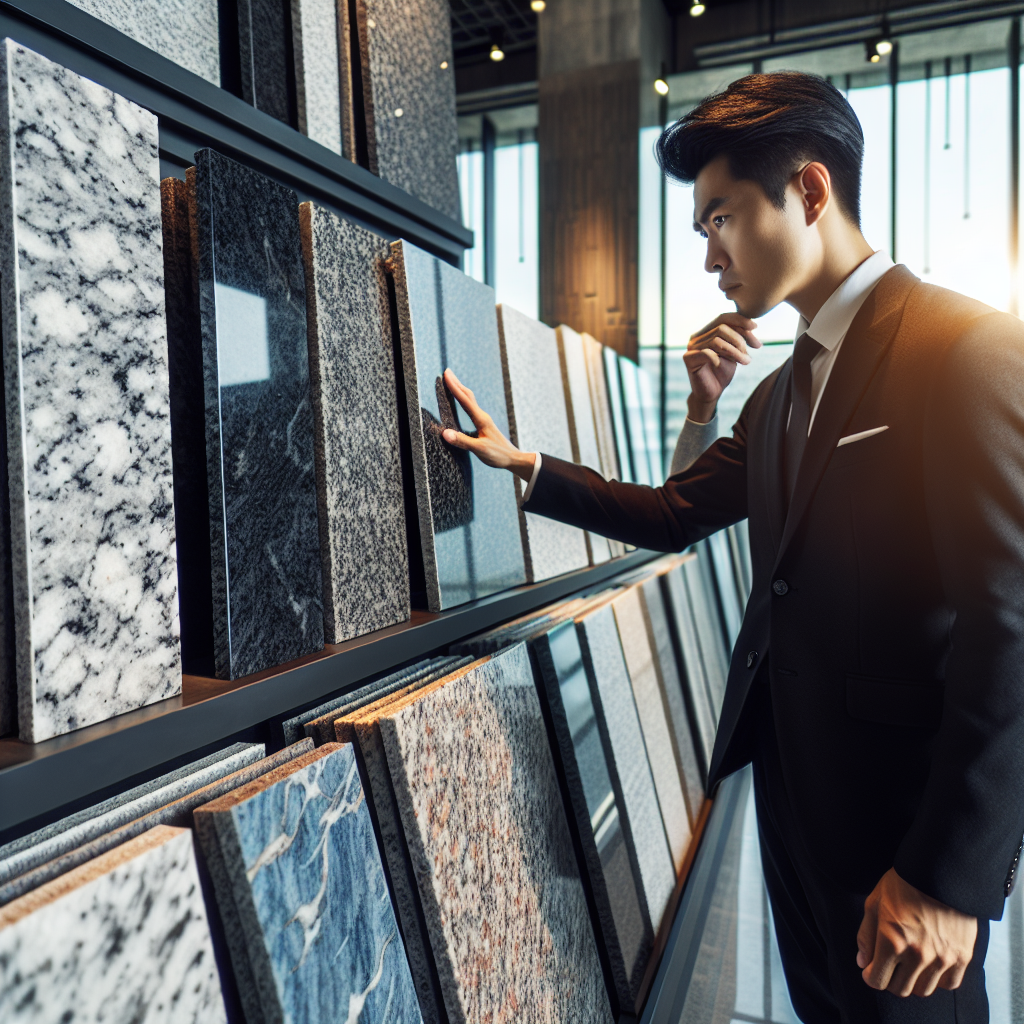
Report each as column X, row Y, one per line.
column 265, row 65
column 365, row 560
column 612, row 694
column 538, row 421
column 124, row 937
column 315, row 38
column 86, row 385
column 306, row 880
column 469, row 519
column 257, row 514
column 613, row 379
column 479, row 800
column 185, row 31
column 408, row 86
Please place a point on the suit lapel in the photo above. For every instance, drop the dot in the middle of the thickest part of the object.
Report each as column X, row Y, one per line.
column 862, row 350
column 767, row 461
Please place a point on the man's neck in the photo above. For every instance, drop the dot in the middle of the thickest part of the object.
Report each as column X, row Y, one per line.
column 839, row 261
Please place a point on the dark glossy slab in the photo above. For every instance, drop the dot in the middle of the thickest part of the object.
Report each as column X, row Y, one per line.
column 265, row 57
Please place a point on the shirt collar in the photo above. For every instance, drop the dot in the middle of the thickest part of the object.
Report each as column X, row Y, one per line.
column 833, row 320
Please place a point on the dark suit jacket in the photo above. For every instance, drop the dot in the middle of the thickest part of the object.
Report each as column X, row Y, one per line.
column 890, row 597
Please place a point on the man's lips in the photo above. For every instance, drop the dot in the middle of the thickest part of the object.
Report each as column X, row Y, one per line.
column 728, row 287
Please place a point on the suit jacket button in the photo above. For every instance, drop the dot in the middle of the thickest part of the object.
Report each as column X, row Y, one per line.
column 751, row 659
column 780, row 587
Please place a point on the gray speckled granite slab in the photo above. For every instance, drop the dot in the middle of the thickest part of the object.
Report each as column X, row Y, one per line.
column 68, row 833
column 63, row 948
column 409, row 98
column 315, row 36
column 261, row 487
column 538, row 420
column 612, row 694
column 478, row 797
column 92, row 521
column 263, row 51
column 185, row 31
column 177, row 813
column 613, row 379
column 306, row 880
column 469, row 519
column 365, row 561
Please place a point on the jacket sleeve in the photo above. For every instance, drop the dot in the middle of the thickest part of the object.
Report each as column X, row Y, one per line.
column 968, row 827
column 709, row 495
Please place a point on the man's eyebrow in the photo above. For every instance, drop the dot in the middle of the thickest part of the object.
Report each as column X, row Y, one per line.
column 709, row 208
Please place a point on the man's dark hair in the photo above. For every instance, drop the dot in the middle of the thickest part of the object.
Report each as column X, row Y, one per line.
column 768, row 125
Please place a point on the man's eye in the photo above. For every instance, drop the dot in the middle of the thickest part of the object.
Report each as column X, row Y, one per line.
column 719, row 220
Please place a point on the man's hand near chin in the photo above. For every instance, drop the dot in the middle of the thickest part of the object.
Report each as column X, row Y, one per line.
column 911, row 944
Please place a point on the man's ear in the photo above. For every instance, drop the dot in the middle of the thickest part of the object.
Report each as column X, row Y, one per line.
column 814, row 185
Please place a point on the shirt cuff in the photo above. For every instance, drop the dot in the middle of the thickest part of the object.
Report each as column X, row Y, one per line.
column 694, row 440
column 533, row 479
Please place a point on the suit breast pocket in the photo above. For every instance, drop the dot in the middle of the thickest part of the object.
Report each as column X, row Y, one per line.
column 877, row 446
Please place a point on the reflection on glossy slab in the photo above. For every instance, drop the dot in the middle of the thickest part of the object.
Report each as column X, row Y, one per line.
column 501, row 893
column 652, row 426
column 629, row 375
column 469, row 521
column 538, row 421
column 316, row 921
column 618, row 413
column 611, row 871
column 92, row 559
column 315, row 34
column 123, row 937
column 263, row 51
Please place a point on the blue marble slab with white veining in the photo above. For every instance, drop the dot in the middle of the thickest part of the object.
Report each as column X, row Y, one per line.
column 469, row 518
column 86, row 395
column 312, row 898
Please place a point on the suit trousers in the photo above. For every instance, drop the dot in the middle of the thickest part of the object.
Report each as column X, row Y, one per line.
column 816, row 919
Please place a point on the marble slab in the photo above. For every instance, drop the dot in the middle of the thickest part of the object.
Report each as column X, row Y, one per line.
column 502, row 898
column 177, row 813
column 629, row 376
column 469, row 518
column 609, row 865
column 263, row 51
column 708, row 627
column 262, row 533
column 618, row 413
column 124, row 937
column 68, row 833
column 363, row 550
column 728, row 586
column 408, row 93
column 652, row 426
column 92, row 522
column 306, row 879
column 593, row 352
column 185, row 31
column 315, row 37
column 612, row 694
column 538, row 420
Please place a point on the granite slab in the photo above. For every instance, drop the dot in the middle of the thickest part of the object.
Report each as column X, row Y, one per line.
column 538, row 420
column 315, row 37
column 262, row 532
column 493, row 640
column 124, row 937
column 708, row 627
column 629, row 376
column 45, row 844
column 582, row 428
column 267, row 83
column 650, row 706
column 501, row 894
column 613, row 378
column 652, row 426
column 593, row 352
column 306, row 879
column 177, row 813
column 185, row 31
column 365, row 559
column 408, row 97
column 726, row 583
column 612, row 694
column 621, row 920
column 92, row 522
column 468, row 516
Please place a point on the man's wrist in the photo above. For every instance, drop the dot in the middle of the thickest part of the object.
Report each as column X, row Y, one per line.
column 700, row 412
column 522, row 465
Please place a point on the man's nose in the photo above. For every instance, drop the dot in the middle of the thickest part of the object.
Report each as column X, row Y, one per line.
column 715, row 261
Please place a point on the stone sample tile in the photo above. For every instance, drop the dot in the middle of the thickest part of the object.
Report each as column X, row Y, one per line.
column 582, row 428
column 92, row 522
column 739, row 541
column 365, row 560
column 700, row 588
column 315, row 38
column 408, row 93
column 305, row 877
column 538, row 420
column 479, row 800
column 263, row 51
column 177, row 813
column 629, row 375
column 609, row 865
column 469, row 520
column 726, row 581
column 593, row 352
column 68, row 833
column 493, row 640
column 652, row 426
column 613, row 378
column 257, row 516
column 612, row 694
column 185, row 31
column 636, row 649
column 124, row 937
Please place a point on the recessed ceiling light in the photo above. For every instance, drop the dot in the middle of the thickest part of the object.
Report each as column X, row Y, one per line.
column 497, row 53
column 661, row 86
column 537, row 5
column 697, row 9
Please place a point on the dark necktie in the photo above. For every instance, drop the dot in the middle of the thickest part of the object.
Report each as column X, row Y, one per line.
column 800, row 414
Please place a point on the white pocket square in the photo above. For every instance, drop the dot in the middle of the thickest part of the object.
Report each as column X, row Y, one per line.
column 850, row 438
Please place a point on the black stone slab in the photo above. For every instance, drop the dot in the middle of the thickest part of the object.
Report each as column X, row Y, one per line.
column 264, row 37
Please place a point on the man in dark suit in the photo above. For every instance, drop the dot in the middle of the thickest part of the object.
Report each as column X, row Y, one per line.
column 876, row 685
